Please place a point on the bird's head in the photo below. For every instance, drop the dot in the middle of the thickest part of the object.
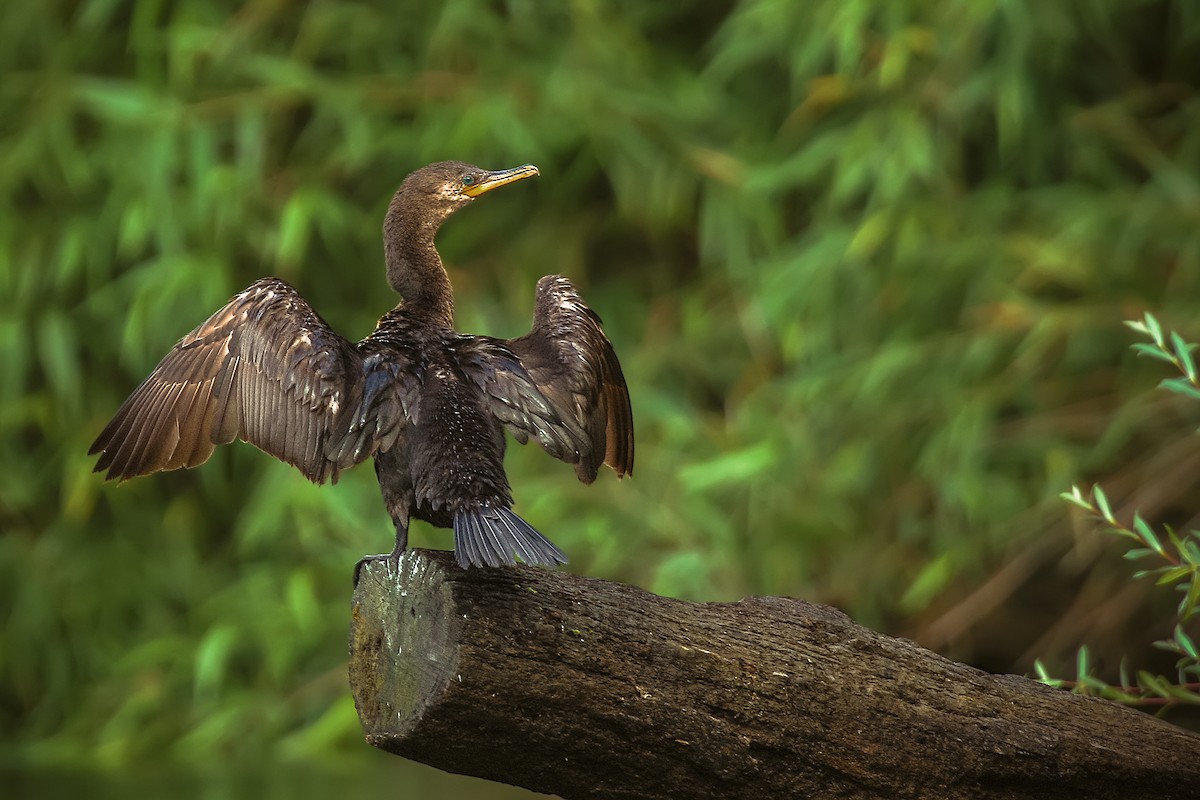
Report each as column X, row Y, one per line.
column 421, row 204
column 441, row 189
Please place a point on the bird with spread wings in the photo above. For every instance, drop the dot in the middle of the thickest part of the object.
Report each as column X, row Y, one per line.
column 429, row 404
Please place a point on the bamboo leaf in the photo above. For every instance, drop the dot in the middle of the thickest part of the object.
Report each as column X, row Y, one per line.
column 1153, row 351
column 1154, row 683
column 1190, row 603
column 1185, row 642
column 1154, row 329
column 1135, row 553
column 1043, row 674
column 211, row 658
column 1173, row 575
column 1137, row 325
column 1183, row 352
column 1181, row 386
column 1075, row 497
column 1189, row 549
column 1102, row 503
column 1147, row 534
column 1181, row 693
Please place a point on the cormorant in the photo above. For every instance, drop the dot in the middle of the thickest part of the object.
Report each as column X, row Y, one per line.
column 428, row 403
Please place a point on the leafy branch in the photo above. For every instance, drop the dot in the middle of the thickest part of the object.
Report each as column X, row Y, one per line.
column 1178, row 354
column 1173, row 560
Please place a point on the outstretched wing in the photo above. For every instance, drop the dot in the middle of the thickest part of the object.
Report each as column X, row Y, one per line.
column 265, row 369
column 578, row 405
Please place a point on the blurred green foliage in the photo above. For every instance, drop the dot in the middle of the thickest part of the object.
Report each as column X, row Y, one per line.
column 865, row 263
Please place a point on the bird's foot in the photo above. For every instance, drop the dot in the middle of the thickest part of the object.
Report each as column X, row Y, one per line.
column 392, row 560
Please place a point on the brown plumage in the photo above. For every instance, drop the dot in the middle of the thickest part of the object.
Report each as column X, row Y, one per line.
column 426, row 402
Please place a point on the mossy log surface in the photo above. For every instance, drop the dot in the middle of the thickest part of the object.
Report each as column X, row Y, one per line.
column 587, row 688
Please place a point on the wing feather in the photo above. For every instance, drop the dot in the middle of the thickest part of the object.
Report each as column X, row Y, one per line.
column 192, row 444
column 515, row 399
column 265, row 369
column 566, row 388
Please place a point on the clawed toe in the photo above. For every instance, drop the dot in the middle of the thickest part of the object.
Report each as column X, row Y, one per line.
column 392, row 560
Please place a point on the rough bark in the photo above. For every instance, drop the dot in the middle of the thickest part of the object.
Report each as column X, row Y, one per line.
column 591, row 689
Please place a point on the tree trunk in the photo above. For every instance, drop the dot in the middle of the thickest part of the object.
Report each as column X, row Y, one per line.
column 591, row 689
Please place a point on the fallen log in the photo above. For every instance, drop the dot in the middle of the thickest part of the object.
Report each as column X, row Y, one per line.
column 587, row 688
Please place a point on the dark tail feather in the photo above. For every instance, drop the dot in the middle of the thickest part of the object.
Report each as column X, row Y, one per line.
column 493, row 536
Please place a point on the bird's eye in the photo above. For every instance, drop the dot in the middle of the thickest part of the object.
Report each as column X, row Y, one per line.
column 468, row 180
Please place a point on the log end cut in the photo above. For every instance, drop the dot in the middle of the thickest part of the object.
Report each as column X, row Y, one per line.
column 404, row 641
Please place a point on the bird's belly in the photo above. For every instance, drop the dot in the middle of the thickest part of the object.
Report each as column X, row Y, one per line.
column 453, row 459
column 455, row 452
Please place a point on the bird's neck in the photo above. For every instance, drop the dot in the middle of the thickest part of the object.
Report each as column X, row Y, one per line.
column 414, row 268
